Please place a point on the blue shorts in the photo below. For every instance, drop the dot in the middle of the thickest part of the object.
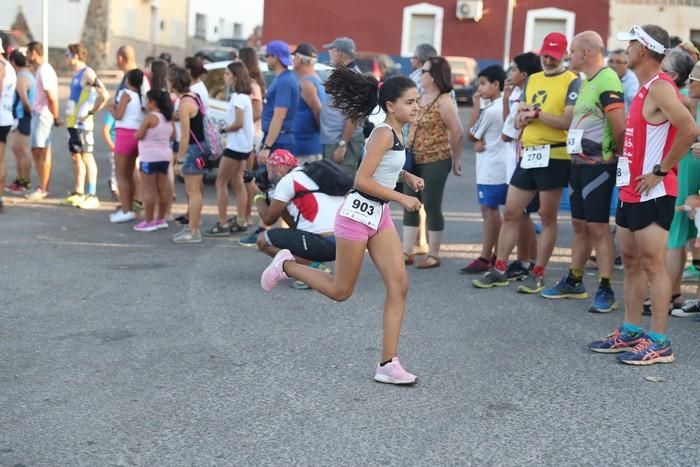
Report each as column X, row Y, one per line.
column 195, row 162
column 150, row 168
column 492, row 196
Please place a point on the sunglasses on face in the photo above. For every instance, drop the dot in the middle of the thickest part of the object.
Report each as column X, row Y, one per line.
column 618, row 62
column 424, row 71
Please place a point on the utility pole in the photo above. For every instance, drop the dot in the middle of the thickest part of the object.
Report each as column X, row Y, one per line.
column 509, row 32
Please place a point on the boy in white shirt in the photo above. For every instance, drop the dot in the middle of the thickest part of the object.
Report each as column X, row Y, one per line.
column 491, row 177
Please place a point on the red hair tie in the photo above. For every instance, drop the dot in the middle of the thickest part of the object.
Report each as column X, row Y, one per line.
column 379, row 86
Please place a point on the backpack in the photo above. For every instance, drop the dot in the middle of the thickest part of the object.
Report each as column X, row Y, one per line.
column 213, row 140
column 330, row 178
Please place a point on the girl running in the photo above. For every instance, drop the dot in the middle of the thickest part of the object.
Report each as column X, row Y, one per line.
column 154, row 137
column 364, row 219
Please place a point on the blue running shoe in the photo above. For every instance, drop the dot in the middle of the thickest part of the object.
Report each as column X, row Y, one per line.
column 648, row 352
column 252, row 239
column 564, row 289
column 616, row 342
column 604, row 301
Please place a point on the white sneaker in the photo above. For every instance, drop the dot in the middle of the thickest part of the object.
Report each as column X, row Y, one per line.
column 36, row 195
column 121, row 216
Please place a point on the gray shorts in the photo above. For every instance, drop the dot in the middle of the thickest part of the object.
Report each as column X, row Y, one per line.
column 41, row 130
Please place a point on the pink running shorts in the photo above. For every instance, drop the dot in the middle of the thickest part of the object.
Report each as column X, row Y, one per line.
column 349, row 229
column 125, row 142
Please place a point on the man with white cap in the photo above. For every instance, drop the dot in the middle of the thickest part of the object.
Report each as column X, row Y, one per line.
column 8, row 82
column 281, row 102
column 342, row 140
column 658, row 133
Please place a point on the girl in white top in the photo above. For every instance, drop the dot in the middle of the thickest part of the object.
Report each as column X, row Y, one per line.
column 239, row 145
column 364, row 219
column 128, row 113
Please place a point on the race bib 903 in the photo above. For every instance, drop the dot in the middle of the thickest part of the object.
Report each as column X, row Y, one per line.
column 363, row 210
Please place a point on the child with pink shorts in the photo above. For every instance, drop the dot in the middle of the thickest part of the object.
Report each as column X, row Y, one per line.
column 364, row 219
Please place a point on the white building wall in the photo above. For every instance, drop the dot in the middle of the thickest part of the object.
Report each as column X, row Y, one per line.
column 677, row 20
column 222, row 14
column 66, row 18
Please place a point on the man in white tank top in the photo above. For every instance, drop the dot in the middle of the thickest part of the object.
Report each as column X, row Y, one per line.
column 8, row 82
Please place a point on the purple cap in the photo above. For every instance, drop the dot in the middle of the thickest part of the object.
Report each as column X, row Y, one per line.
column 280, row 50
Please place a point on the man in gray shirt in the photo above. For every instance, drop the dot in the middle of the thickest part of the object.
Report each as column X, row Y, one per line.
column 630, row 85
column 342, row 140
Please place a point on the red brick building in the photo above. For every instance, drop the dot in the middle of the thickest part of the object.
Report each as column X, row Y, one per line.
column 396, row 26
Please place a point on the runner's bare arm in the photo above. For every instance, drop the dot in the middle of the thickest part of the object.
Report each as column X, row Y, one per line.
column 616, row 117
column 149, row 121
column 275, row 125
column 381, row 141
column 91, row 79
column 310, row 96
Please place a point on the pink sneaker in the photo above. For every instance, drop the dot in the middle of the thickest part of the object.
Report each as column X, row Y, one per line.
column 274, row 273
column 393, row 373
column 145, row 226
column 161, row 224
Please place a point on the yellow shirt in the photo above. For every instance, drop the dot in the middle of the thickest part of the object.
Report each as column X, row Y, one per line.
column 551, row 94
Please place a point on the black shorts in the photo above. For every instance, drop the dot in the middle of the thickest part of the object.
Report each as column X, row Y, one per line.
column 552, row 177
column 4, row 131
column 303, row 244
column 590, row 191
column 235, row 155
column 80, row 141
column 639, row 216
column 24, row 125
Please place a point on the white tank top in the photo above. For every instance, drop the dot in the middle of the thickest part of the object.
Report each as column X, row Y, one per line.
column 9, row 83
column 387, row 172
column 133, row 114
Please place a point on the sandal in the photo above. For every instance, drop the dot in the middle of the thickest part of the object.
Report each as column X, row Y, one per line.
column 429, row 262
column 408, row 260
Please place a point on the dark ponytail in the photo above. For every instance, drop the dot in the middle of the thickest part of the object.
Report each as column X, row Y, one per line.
column 161, row 98
column 356, row 95
column 135, row 78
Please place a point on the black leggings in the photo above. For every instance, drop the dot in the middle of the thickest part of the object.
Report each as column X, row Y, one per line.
column 435, row 176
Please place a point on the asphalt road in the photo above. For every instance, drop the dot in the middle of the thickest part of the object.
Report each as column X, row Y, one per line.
column 120, row 348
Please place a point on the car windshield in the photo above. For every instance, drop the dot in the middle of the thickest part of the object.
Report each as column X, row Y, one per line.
column 459, row 67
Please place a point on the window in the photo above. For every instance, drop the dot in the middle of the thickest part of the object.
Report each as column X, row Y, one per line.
column 695, row 35
column 541, row 22
column 200, row 26
column 237, row 30
column 422, row 23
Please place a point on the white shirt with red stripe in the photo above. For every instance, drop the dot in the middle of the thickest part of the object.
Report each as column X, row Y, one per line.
column 647, row 144
column 317, row 209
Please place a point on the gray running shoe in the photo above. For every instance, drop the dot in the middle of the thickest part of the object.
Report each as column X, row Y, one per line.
column 492, row 278
column 532, row 285
column 186, row 236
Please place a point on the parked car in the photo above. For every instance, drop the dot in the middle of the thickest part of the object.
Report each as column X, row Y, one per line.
column 381, row 66
column 464, row 71
column 219, row 95
column 217, row 54
column 234, row 42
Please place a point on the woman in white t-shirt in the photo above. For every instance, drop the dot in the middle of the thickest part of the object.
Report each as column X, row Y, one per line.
column 195, row 68
column 239, row 145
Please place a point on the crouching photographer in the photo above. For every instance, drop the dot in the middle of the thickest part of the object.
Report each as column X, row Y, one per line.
column 307, row 199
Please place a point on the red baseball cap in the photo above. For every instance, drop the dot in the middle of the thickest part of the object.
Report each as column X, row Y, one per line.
column 554, row 45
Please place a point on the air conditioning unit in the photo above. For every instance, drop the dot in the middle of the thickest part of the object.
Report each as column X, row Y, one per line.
column 470, row 9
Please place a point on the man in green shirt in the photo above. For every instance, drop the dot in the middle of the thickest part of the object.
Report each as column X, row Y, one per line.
column 595, row 138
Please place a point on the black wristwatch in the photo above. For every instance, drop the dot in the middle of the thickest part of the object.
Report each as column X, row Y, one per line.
column 657, row 171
